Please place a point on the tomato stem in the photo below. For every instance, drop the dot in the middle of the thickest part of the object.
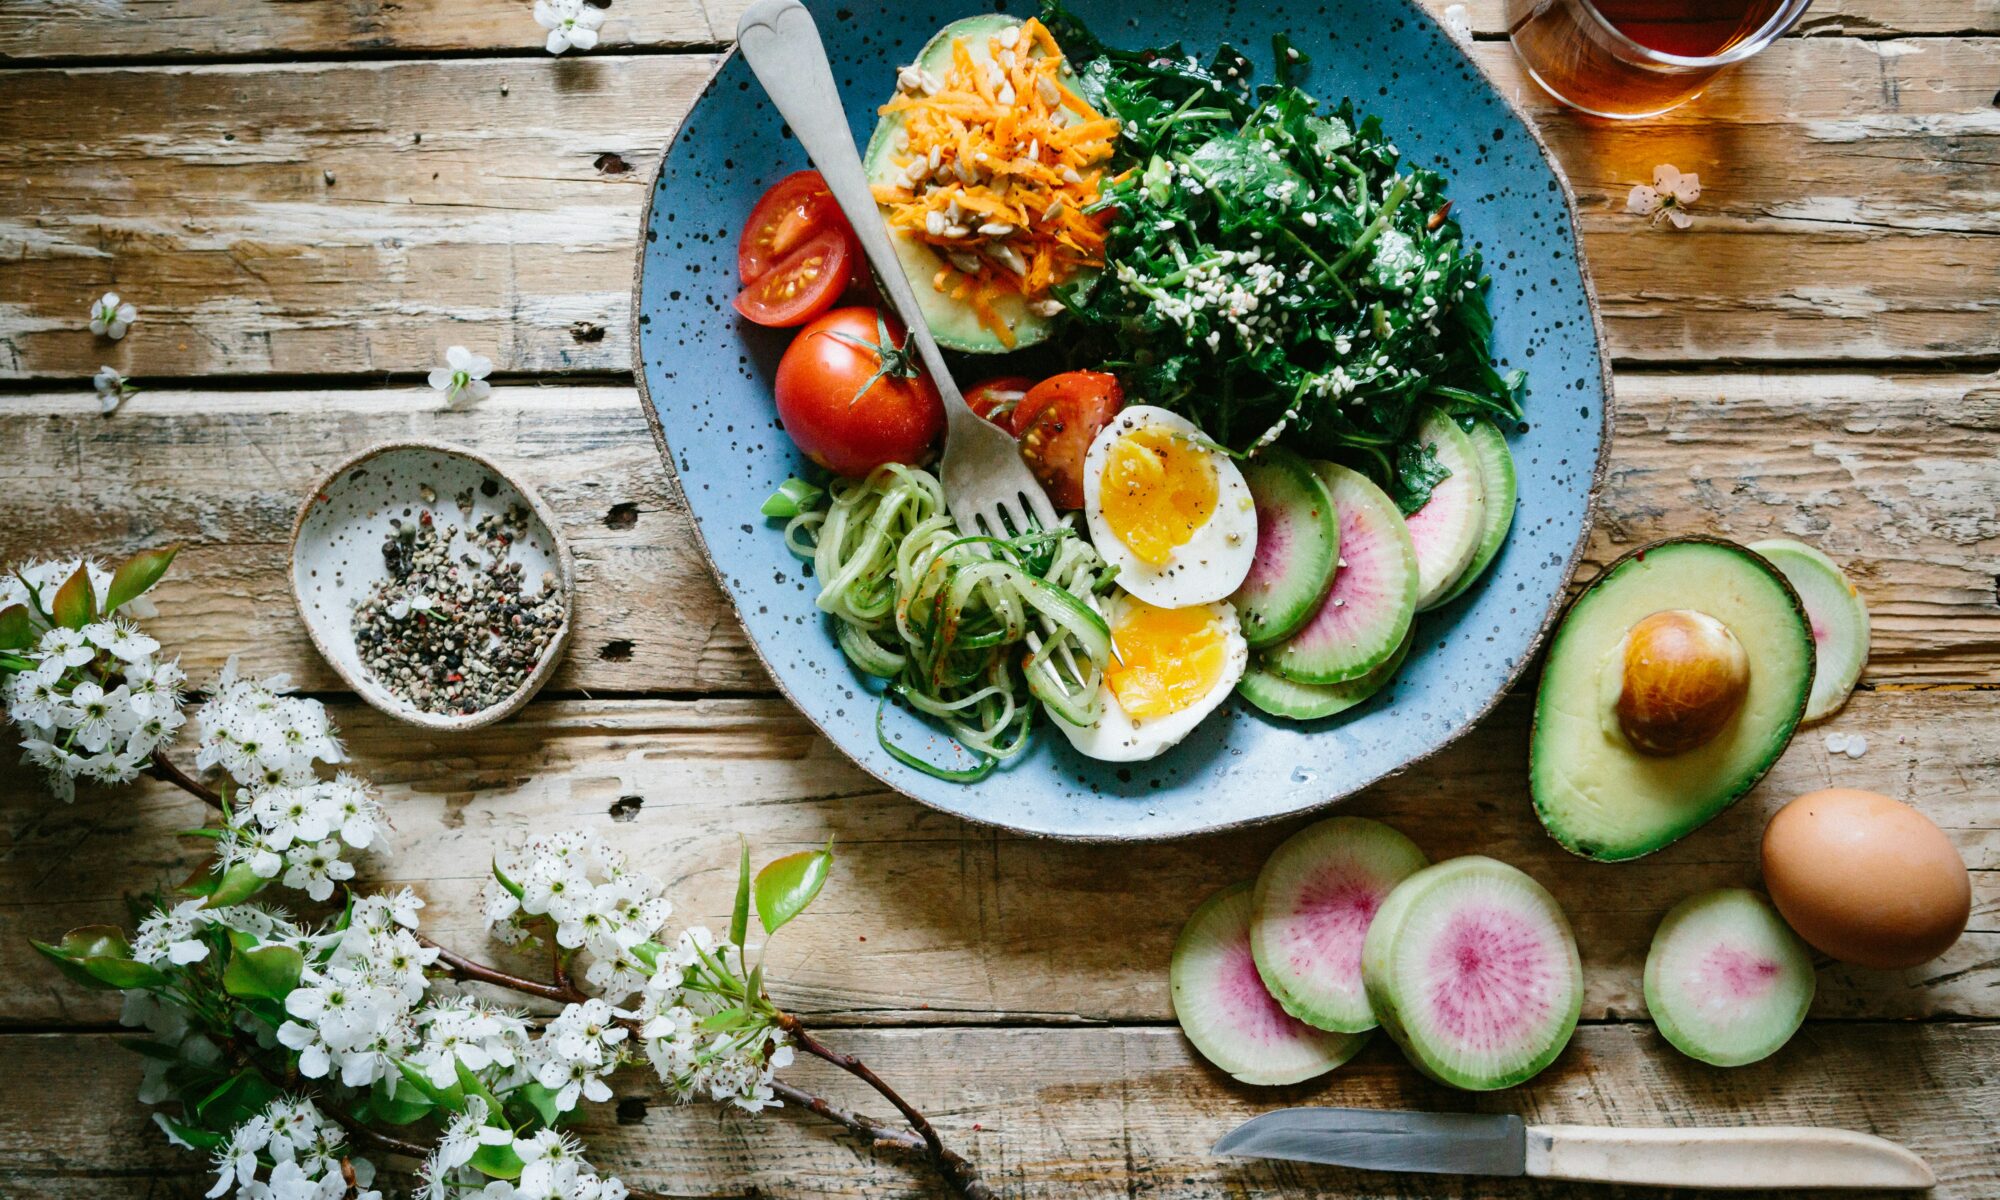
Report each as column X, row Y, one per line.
column 894, row 361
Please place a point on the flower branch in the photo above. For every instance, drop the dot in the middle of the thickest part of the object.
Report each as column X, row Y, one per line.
column 274, row 1044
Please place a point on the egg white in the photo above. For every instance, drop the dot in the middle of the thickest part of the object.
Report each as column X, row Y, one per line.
column 1212, row 563
column 1116, row 737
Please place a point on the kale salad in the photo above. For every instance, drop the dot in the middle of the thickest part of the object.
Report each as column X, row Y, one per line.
column 1274, row 271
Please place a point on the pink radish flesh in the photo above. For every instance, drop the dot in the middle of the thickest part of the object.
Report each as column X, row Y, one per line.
column 1491, row 973
column 1224, row 1009
column 1727, row 981
column 1359, row 592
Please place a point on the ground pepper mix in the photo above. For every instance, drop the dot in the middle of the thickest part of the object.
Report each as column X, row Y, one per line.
column 451, row 635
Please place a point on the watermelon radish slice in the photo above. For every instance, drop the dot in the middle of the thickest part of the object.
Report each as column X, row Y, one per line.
column 1224, row 1010
column 1446, row 529
column 1310, row 912
column 1496, row 473
column 1727, row 981
column 1374, row 595
column 1298, row 546
column 1838, row 618
column 1471, row 967
column 1280, row 697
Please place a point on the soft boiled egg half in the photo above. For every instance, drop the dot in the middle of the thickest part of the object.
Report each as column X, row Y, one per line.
column 1170, row 668
column 1167, row 509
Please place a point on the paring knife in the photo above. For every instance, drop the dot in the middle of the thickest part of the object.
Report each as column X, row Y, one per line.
column 1751, row 1157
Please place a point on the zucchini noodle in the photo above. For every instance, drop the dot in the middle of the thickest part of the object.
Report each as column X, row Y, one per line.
column 940, row 614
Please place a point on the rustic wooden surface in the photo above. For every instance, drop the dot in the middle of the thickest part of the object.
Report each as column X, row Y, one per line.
column 309, row 200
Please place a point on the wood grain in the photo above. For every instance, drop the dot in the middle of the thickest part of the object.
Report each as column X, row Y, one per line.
column 373, row 213
column 1113, row 1112
column 63, row 29
column 1893, row 475
column 930, row 918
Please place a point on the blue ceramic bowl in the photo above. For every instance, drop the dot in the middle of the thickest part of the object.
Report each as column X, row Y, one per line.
column 706, row 378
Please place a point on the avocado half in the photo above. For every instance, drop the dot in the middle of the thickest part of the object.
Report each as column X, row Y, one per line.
column 1596, row 794
column 954, row 323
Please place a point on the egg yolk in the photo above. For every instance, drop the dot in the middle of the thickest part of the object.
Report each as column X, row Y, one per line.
column 1157, row 489
column 1165, row 658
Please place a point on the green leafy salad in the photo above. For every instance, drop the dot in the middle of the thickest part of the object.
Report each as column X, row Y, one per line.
column 1274, row 273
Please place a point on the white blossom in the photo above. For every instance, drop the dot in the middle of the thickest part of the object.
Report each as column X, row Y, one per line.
column 306, row 1149
column 112, row 388
column 582, row 890
column 464, row 374
column 1668, row 198
column 111, row 317
column 261, row 736
column 571, row 23
column 94, row 705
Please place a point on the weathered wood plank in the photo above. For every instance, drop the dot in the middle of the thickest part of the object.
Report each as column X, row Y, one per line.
column 43, row 29
column 1893, row 475
column 930, row 918
column 1110, row 1112
column 371, row 213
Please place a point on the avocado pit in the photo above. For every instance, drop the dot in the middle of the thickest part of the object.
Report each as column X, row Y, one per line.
column 1684, row 677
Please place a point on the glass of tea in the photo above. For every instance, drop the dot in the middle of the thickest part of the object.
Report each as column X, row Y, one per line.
column 1639, row 58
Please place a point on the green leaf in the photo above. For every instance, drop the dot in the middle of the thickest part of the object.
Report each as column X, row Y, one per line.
column 240, row 1097
column 787, row 885
column 451, row 1098
column 17, row 627
column 123, row 973
column 137, row 575
column 497, row 1162
column 500, row 875
column 648, row 954
column 98, row 956
column 727, row 1019
column 71, row 968
column 265, row 973
column 395, row 1102
column 234, row 886
column 739, row 917
column 538, row 1098
column 194, row 1136
column 75, row 604
column 472, row 1085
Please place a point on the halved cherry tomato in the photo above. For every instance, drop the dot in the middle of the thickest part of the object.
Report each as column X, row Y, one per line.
column 851, row 395
column 1057, row 421
column 997, row 398
column 797, row 207
column 802, row 286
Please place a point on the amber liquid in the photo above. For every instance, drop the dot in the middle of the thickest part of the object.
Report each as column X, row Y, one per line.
column 1582, row 63
column 1689, row 28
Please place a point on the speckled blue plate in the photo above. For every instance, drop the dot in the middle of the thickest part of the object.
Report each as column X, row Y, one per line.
column 706, row 378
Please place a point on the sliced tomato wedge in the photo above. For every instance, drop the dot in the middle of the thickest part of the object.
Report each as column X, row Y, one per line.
column 997, row 398
column 796, row 208
column 1056, row 422
column 802, row 286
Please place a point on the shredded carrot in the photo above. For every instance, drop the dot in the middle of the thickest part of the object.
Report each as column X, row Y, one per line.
column 998, row 160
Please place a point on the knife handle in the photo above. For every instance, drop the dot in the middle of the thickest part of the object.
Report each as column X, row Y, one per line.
column 1760, row 1157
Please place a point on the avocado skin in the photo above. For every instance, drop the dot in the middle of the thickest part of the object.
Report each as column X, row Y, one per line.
column 1547, row 756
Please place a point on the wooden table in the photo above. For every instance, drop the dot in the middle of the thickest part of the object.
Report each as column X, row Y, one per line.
column 309, row 201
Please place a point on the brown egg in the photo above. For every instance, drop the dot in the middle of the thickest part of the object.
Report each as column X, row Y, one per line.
column 1865, row 879
column 1685, row 677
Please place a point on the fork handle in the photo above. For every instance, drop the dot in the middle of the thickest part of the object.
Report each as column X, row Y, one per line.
column 781, row 42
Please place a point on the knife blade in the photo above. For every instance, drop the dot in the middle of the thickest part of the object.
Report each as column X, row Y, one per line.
column 1385, row 1140
column 1745, row 1157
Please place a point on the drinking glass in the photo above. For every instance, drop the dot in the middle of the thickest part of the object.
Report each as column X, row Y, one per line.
column 1657, row 55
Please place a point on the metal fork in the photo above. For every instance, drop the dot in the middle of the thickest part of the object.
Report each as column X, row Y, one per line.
column 987, row 486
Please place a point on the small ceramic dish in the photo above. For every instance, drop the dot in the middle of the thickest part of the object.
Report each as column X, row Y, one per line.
column 337, row 555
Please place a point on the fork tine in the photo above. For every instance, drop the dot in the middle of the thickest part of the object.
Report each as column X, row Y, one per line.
column 1011, row 513
column 1039, row 507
